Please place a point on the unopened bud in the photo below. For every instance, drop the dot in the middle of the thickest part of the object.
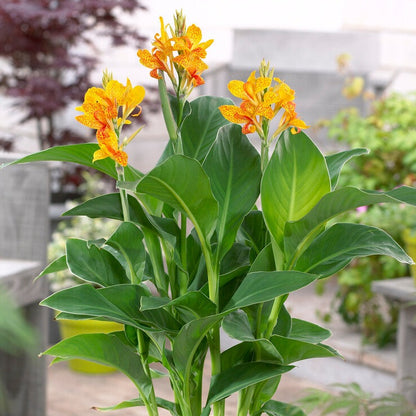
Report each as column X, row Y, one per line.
column 107, row 77
column 180, row 23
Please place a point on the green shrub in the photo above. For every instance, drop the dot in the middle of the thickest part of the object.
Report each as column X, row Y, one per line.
column 389, row 130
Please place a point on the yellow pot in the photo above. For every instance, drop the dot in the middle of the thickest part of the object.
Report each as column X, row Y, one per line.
column 69, row 328
column 409, row 238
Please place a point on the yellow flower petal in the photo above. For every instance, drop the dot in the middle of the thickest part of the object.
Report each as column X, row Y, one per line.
column 194, row 34
column 236, row 88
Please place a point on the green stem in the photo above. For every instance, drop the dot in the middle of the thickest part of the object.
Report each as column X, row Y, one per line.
column 244, row 401
column 167, row 111
column 264, row 155
column 150, row 402
column 274, row 315
column 182, row 275
column 123, row 193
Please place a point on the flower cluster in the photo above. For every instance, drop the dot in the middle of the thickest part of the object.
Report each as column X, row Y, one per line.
column 262, row 99
column 179, row 55
column 107, row 110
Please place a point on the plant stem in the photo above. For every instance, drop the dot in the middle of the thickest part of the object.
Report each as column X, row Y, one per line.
column 150, row 402
column 264, row 155
column 274, row 315
column 123, row 193
column 182, row 275
column 244, row 401
column 167, row 111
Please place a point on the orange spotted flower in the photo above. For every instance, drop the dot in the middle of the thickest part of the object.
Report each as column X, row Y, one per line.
column 107, row 110
column 180, row 56
column 161, row 56
column 261, row 101
column 256, row 98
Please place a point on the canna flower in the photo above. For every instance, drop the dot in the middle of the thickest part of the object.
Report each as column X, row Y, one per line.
column 290, row 119
column 161, row 56
column 107, row 110
column 180, row 55
column 261, row 102
column 256, row 98
column 109, row 147
column 191, row 42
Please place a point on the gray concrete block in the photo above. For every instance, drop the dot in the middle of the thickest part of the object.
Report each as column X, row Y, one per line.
column 305, row 51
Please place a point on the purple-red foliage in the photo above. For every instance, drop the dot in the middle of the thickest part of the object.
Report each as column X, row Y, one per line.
column 38, row 40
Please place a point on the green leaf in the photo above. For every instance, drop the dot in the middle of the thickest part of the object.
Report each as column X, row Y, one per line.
column 188, row 339
column 336, row 162
column 196, row 303
column 200, row 128
column 105, row 349
column 258, row 287
column 119, row 303
column 307, row 331
column 298, row 234
column 57, row 265
column 293, row 350
column 244, row 352
column 237, row 326
column 182, row 183
column 81, row 154
column 93, row 264
column 123, row 305
column 233, row 167
column 241, row 376
column 162, row 403
column 109, row 206
column 253, row 232
column 339, row 244
column 275, row 408
column 284, row 323
column 126, row 245
column 294, row 181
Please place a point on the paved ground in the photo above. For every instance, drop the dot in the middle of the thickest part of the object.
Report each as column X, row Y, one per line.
column 73, row 394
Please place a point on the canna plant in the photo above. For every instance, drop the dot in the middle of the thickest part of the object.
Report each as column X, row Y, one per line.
column 215, row 236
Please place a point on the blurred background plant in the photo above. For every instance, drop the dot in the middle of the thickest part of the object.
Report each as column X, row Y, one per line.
column 389, row 130
column 16, row 337
column 352, row 400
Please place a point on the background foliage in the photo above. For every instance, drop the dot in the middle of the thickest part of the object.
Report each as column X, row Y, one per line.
column 389, row 130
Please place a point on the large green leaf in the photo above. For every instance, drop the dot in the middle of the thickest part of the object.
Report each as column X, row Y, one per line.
column 109, row 206
column 182, row 183
column 339, row 244
column 334, row 203
column 93, row 264
column 275, row 408
column 162, row 403
column 336, row 162
column 200, row 128
column 81, row 154
column 195, row 303
column 241, row 376
column 233, row 167
column 57, row 265
column 244, row 352
column 293, row 350
column 259, row 287
column 237, row 326
column 253, row 232
column 119, row 303
column 307, row 331
column 126, row 245
column 105, row 349
column 188, row 339
column 123, row 305
column 295, row 179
